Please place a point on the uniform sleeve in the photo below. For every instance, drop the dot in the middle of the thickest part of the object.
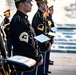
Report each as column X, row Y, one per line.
column 52, row 22
column 38, row 25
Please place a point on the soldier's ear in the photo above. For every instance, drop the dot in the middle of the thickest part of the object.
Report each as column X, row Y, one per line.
column 21, row 4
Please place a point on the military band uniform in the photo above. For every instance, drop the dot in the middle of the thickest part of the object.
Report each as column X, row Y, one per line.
column 50, row 24
column 6, row 24
column 39, row 24
column 22, row 36
column 42, row 25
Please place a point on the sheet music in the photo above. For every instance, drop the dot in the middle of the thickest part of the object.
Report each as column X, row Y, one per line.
column 54, row 29
column 52, row 34
column 24, row 60
column 42, row 38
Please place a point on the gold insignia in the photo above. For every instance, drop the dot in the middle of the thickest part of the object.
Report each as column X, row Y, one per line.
column 46, row 43
column 49, row 23
column 40, row 27
column 25, row 16
column 23, row 37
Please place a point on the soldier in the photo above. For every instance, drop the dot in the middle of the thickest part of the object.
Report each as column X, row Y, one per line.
column 7, row 30
column 49, row 18
column 6, row 20
column 5, row 26
column 50, row 24
column 22, row 33
column 40, row 27
column 7, row 15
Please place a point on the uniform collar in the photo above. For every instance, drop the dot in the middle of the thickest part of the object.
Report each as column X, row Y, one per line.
column 40, row 12
column 22, row 14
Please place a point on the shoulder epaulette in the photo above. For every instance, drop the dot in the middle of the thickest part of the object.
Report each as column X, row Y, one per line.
column 17, row 18
column 37, row 14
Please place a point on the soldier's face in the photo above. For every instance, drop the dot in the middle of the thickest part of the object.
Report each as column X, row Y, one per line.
column 44, row 6
column 27, row 6
column 7, row 15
